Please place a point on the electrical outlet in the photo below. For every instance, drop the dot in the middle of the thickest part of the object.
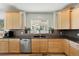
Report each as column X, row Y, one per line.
column 77, row 34
column 60, row 33
column 22, row 33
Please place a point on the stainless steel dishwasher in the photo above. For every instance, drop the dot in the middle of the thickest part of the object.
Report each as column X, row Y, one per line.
column 26, row 45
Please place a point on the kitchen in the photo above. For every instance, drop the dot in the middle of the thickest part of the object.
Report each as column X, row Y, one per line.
column 28, row 29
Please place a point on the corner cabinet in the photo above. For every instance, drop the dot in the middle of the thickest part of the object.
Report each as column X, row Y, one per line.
column 74, row 48
column 66, row 47
column 43, row 45
column 13, row 20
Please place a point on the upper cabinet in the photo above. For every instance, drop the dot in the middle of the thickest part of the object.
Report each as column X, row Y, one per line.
column 59, row 20
column 64, row 19
column 75, row 18
column 13, row 20
column 68, row 18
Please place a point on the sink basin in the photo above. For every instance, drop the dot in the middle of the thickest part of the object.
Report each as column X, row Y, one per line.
column 39, row 36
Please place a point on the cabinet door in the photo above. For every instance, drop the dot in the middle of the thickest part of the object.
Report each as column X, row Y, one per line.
column 64, row 19
column 66, row 47
column 8, row 23
column 17, row 23
column 74, row 51
column 43, row 45
column 13, row 20
column 75, row 19
column 3, row 46
column 55, row 46
column 35, row 45
column 50, row 46
column 14, row 45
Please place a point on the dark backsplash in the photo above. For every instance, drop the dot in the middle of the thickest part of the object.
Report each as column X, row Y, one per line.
column 74, row 33
column 18, row 32
column 70, row 34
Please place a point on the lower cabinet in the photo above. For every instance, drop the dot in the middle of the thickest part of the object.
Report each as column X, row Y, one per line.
column 47, row 46
column 55, row 46
column 43, row 45
column 39, row 45
column 3, row 46
column 74, row 52
column 14, row 46
column 66, row 47
column 9, row 45
column 35, row 46
column 71, row 48
column 74, row 49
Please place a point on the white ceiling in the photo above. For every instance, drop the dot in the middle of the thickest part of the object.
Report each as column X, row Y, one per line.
column 34, row 7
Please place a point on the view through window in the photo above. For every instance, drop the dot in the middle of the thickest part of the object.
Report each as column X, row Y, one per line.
column 1, row 21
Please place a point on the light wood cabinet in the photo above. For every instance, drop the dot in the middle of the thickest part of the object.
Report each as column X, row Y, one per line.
column 14, row 46
column 71, row 48
column 3, row 45
column 55, row 46
column 66, row 46
column 39, row 45
column 68, row 18
column 59, row 14
column 47, row 46
column 43, row 45
column 35, row 45
column 64, row 19
column 75, row 18
column 13, row 20
column 74, row 51
column 74, row 48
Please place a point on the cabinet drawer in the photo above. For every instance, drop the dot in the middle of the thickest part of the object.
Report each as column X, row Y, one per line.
column 55, row 50
column 14, row 46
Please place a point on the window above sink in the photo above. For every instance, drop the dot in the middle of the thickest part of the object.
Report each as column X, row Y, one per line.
column 39, row 25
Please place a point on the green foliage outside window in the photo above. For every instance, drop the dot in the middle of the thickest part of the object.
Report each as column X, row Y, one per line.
column 1, row 24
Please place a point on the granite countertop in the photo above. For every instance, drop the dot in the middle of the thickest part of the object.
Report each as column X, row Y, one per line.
column 38, row 36
column 10, row 38
column 44, row 36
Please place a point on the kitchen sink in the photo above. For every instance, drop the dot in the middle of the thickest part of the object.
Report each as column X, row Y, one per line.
column 39, row 36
